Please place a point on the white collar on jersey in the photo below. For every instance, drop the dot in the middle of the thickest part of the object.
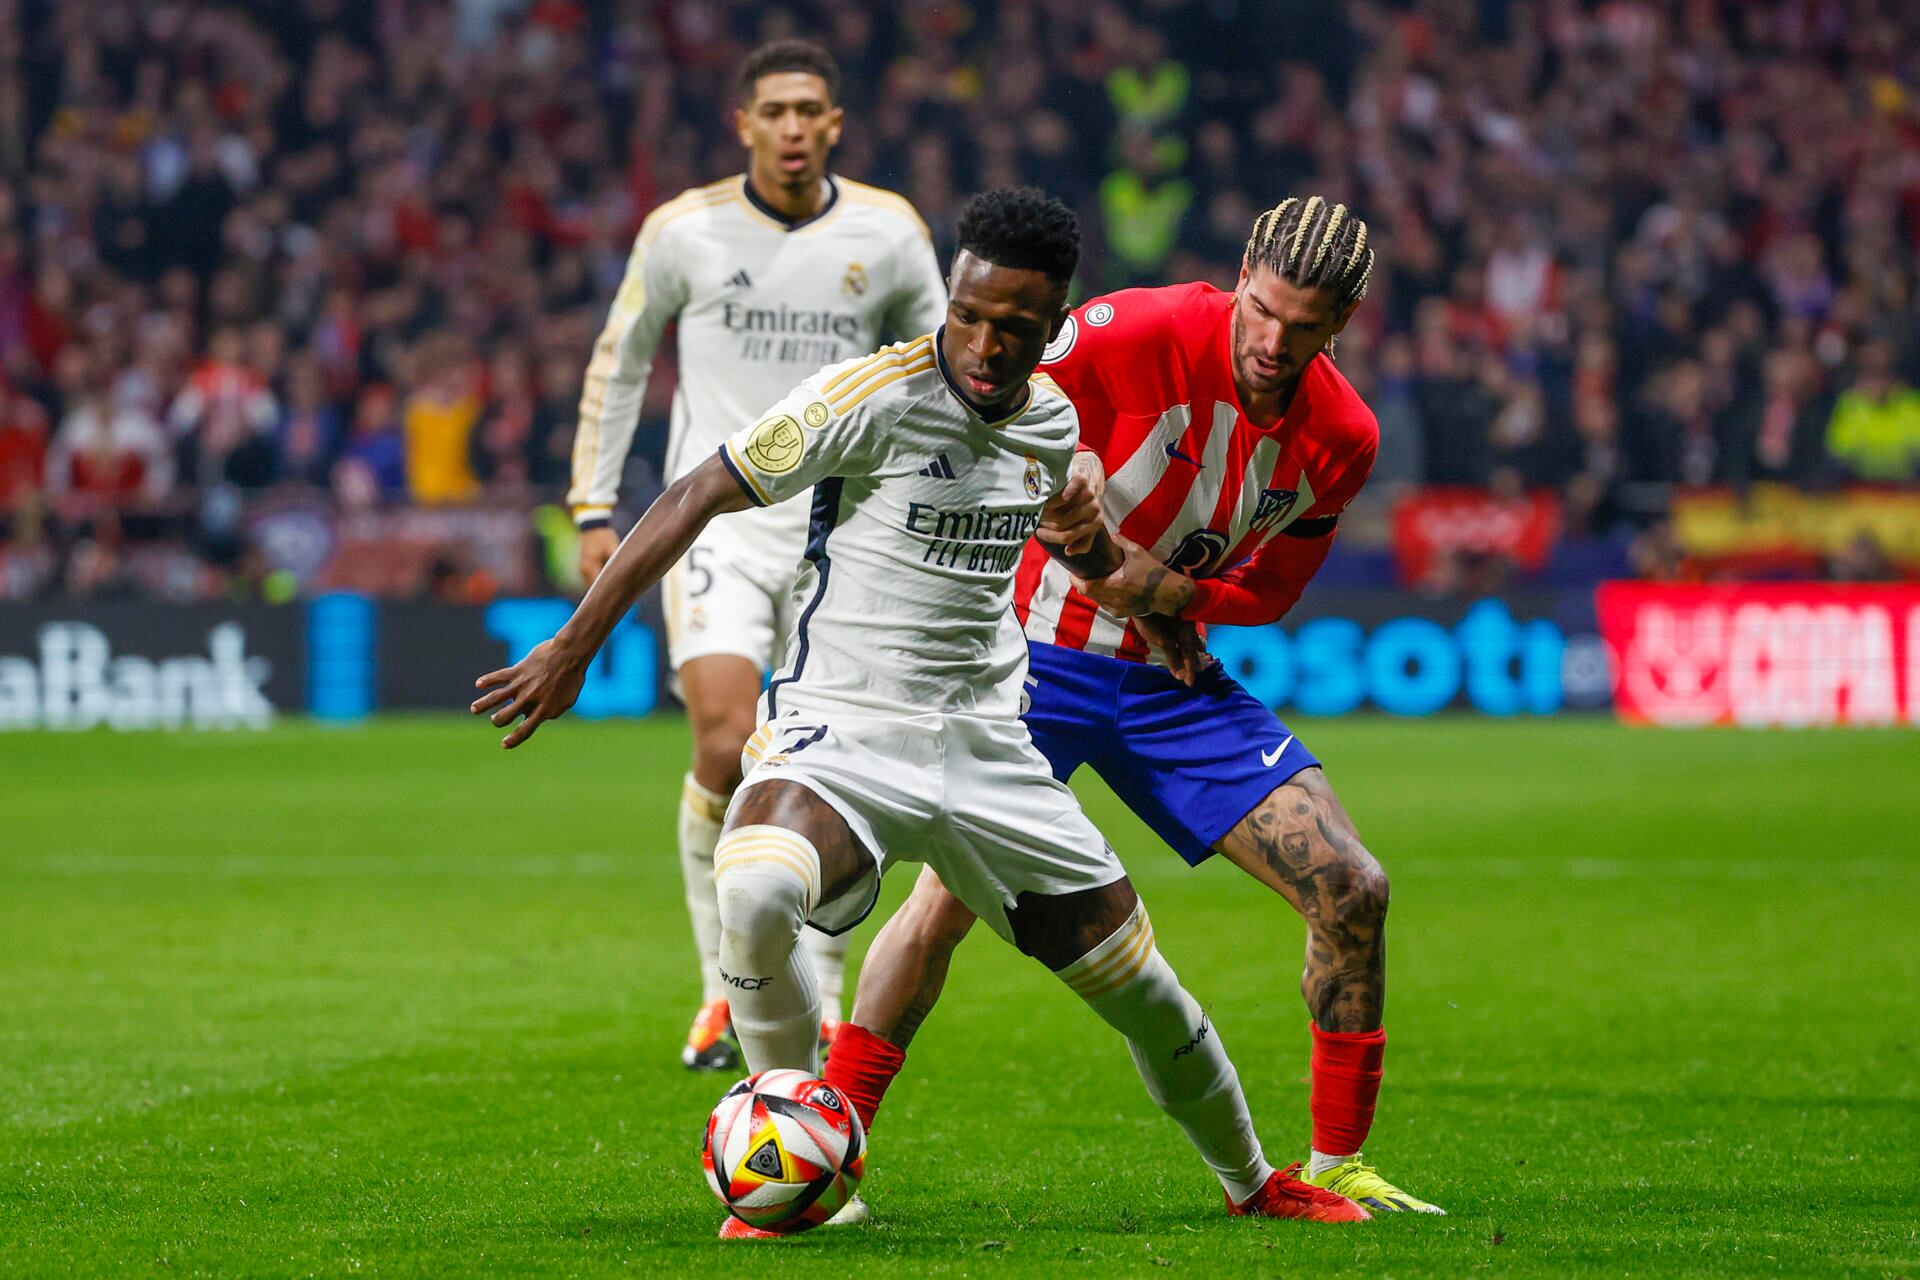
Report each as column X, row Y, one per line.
column 792, row 224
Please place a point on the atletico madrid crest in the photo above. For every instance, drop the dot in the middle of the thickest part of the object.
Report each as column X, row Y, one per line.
column 1273, row 507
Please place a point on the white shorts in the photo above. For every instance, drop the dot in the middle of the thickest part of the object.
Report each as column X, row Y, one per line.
column 731, row 593
column 969, row 796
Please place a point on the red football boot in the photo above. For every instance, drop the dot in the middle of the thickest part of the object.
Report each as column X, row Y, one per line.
column 710, row 1044
column 1285, row 1196
column 734, row 1229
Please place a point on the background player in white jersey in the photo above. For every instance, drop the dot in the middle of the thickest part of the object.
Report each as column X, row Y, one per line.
column 770, row 274
column 893, row 730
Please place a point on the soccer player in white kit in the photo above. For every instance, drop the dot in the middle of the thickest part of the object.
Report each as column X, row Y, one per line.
column 892, row 731
column 771, row 274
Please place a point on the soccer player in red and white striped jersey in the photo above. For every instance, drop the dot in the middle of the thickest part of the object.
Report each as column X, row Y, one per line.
column 1224, row 444
column 1243, row 509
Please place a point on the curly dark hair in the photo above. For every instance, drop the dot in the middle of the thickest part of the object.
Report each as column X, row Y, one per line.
column 1022, row 227
column 789, row 55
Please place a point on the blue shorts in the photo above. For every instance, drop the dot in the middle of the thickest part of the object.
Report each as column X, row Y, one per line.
column 1191, row 762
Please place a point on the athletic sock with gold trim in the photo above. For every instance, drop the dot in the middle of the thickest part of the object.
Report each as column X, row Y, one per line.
column 1175, row 1048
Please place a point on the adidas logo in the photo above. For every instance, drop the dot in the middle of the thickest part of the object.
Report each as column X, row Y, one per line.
column 939, row 469
column 739, row 280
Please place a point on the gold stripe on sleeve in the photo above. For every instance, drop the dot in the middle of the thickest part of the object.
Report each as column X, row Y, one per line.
column 844, row 406
column 746, row 472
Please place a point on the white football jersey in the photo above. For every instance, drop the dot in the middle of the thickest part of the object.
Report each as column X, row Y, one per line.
column 920, row 512
column 761, row 303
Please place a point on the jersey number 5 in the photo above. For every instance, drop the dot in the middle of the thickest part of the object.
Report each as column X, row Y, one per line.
column 699, row 576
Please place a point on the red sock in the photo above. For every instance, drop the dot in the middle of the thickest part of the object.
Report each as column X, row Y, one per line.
column 1346, row 1080
column 861, row 1066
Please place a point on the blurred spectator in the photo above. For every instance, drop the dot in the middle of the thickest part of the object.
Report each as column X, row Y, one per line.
column 504, row 443
column 27, row 560
column 1672, row 437
column 23, row 448
column 1520, row 452
column 550, row 439
column 373, row 466
column 224, row 418
column 1147, row 88
column 1401, row 462
column 104, row 454
column 1142, row 204
column 308, row 435
column 1776, row 429
column 438, row 423
column 1875, row 429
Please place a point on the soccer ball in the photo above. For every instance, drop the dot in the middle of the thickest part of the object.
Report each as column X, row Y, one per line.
column 784, row 1151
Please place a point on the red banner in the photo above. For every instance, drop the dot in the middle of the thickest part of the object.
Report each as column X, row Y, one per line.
column 1789, row 654
column 1435, row 522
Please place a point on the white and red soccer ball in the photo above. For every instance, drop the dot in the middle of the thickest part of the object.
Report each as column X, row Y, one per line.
column 784, row 1151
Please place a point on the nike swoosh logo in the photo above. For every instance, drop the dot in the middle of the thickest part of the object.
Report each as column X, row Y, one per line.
column 1268, row 758
column 1173, row 452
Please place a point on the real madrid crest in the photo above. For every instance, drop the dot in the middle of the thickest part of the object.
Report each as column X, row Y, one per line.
column 1036, row 480
column 855, row 281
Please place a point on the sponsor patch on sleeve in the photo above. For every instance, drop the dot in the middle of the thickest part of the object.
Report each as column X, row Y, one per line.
column 1058, row 348
column 776, row 445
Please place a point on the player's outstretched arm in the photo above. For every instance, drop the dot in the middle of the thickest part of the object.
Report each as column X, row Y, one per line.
column 543, row 685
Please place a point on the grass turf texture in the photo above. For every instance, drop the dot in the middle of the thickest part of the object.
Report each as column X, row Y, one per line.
column 390, row 1000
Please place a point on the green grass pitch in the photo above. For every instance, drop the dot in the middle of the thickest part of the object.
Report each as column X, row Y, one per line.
column 388, row 1000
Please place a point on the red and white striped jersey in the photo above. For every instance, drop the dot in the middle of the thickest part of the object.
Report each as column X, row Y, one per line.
column 1246, row 511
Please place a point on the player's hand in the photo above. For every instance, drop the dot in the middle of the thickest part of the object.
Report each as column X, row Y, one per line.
column 1141, row 585
column 1072, row 518
column 540, row 687
column 1179, row 642
column 596, row 548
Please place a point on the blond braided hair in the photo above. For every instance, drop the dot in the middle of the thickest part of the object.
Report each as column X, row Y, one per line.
column 1314, row 243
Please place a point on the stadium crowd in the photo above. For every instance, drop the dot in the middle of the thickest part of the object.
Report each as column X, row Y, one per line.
column 359, row 249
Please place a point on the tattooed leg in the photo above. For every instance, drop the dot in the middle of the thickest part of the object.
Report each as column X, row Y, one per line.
column 905, row 968
column 899, row 983
column 1301, row 843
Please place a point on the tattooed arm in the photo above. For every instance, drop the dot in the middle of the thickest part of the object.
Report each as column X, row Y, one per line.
column 1140, row 585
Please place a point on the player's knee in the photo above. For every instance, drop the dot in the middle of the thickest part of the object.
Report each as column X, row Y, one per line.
column 765, row 882
column 716, row 752
column 757, row 931
column 1364, row 904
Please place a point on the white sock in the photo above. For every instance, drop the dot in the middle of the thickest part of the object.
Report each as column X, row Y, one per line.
column 1318, row 1162
column 768, row 882
column 1176, row 1050
column 701, row 812
column 828, row 953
